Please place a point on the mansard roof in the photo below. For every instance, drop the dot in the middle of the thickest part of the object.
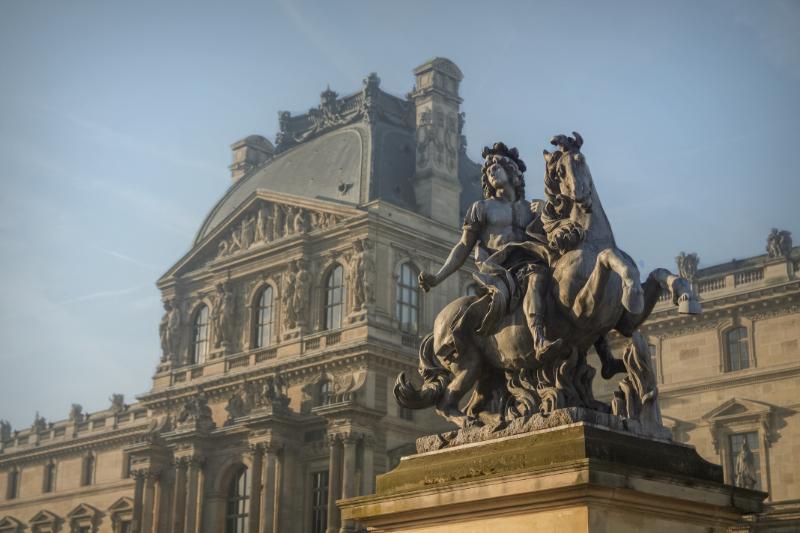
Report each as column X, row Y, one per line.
column 349, row 150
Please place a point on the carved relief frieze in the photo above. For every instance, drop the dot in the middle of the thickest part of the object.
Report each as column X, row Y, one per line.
column 268, row 222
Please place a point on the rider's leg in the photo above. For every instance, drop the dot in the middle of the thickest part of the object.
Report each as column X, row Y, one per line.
column 533, row 304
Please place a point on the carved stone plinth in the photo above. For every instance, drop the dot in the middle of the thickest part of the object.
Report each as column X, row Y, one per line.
column 577, row 478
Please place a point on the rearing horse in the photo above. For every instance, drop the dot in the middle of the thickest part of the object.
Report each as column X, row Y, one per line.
column 594, row 289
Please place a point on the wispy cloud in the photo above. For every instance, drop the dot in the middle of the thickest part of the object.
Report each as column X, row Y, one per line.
column 129, row 259
column 103, row 294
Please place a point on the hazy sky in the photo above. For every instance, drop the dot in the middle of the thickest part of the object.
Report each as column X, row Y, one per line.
column 116, row 120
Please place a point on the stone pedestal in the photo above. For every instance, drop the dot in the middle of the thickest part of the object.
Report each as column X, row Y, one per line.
column 569, row 479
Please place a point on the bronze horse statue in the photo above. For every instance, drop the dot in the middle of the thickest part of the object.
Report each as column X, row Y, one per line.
column 595, row 289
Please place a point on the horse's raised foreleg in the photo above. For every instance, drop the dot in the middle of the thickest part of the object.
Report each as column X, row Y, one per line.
column 608, row 261
column 658, row 281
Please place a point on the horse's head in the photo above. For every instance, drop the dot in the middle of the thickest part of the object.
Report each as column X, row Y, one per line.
column 566, row 172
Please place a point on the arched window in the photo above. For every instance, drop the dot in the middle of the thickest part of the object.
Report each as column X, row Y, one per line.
column 238, row 503
column 49, row 481
column 408, row 298
column 199, row 347
column 325, row 392
column 737, row 356
column 87, row 475
column 334, row 298
column 264, row 318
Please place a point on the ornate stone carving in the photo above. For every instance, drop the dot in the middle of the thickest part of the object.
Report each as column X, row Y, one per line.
column 39, row 424
column 362, row 271
column 779, row 243
column 76, row 413
column 5, row 431
column 302, row 280
column 222, row 314
column 543, row 269
column 289, row 312
column 269, row 222
column 274, row 392
column 687, row 265
column 425, row 138
column 235, row 408
column 117, row 403
column 334, row 112
column 195, row 413
column 168, row 330
column 745, row 470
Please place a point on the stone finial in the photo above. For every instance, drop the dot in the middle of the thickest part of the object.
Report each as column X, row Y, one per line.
column 39, row 423
column 248, row 154
column 779, row 243
column 687, row 265
column 5, row 431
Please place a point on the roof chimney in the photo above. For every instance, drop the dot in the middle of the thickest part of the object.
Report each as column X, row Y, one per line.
column 436, row 99
column 248, row 154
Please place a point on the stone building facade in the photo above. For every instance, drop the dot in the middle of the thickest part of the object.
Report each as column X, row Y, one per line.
column 287, row 322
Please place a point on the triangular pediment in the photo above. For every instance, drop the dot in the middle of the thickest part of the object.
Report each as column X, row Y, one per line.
column 82, row 511
column 43, row 518
column 9, row 523
column 121, row 505
column 737, row 408
column 265, row 219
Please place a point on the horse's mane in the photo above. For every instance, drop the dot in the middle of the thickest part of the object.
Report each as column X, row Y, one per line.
column 562, row 233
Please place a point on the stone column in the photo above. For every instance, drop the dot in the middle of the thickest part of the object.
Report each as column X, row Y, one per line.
column 349, row 476
column 255, row 488
column 148, row 502
column 179, row 497
column 334, row 483
column 192, row 485
column 277, row 491
column 368, row 472
column 288, row 499
column 157, row 496
column 268, row 486
column 201, row 487
column 138, row 492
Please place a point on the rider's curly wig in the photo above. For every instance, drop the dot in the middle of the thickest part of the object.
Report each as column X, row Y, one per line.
column 509, row 159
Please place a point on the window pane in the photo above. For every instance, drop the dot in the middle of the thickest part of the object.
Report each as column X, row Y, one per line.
column 238, row 505
column 407, row 305
column 264, row 318
column 334, row 298
column 737, row 355
column 319, row 501
column 200, row 335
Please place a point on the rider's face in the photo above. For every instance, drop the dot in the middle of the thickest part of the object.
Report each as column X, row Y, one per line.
column 498, row 177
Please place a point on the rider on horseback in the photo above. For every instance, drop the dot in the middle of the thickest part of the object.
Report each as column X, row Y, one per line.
column 511, row 251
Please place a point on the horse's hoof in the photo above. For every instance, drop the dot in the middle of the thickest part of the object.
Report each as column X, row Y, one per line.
column 612, row 368
column 689, row 306
column 633, row 298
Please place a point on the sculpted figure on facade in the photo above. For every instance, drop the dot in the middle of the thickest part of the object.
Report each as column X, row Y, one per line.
column 76, row 413
column 169, row 330
column 222, row 314
column 687, row 265
column 362, row 270
column 235, row 408
column 195, row 410
column 117, row 403
column 779, row 243
column 553, row 284
column 5, row 431
column 302, row 291
column 274, row 391
column 745, row 470
column 39, row 423
column 288, row 309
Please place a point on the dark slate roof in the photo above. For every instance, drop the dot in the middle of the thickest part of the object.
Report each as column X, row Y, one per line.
column 352, row 150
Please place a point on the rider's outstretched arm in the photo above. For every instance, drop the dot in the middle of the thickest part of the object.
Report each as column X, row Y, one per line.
column 457, row 256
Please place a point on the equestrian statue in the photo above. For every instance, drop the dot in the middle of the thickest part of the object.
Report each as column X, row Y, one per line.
column 552, row 285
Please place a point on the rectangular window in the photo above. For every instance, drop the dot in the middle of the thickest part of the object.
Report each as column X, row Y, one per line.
column 49, row 482
column 319, row 501
column 12, row 490
column 737, row 441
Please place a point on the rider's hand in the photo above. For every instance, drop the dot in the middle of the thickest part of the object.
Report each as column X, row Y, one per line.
column 426, row 281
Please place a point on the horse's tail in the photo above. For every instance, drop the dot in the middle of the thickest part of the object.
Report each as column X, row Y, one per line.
column 435, row 379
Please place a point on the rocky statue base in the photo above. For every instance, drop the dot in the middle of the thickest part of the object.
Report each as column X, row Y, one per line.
column 578, row 477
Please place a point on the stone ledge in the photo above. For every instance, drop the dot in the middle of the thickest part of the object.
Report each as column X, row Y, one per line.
column 518, row 426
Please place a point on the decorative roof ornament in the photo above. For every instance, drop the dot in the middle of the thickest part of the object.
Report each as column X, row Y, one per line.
column 779, row 243
column 687, row 265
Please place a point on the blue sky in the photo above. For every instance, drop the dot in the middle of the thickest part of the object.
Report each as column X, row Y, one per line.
column 117, row 119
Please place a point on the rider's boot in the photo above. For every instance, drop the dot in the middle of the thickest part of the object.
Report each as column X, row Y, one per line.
column 542, row 347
